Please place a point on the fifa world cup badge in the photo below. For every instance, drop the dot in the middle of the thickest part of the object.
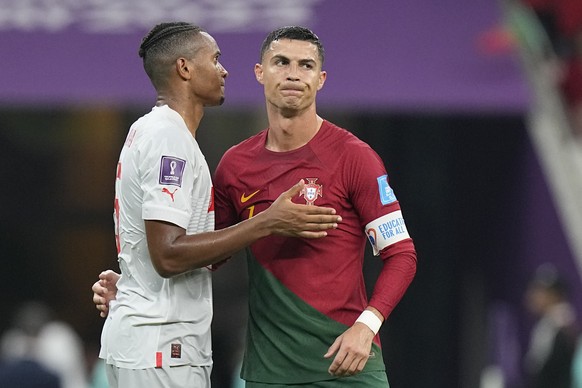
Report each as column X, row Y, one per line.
column 311, row 191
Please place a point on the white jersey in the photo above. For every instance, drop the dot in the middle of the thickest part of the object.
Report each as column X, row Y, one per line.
column 161, row 175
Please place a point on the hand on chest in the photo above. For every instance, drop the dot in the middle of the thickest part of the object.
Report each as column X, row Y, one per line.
column 251, row 200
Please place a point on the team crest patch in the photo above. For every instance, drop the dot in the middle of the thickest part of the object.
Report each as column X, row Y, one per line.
column 311, row 191
column 386, row 193
column 171, row 171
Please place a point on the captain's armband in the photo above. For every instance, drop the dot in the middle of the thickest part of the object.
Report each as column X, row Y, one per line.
column 386, row 230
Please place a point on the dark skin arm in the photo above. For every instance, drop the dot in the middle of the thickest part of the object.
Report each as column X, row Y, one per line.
column 174, row 252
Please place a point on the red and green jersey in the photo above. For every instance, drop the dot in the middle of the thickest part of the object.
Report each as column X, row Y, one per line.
column 304, row 293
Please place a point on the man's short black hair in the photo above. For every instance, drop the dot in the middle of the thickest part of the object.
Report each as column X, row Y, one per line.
column 163, row 45
column 164, row 33
column 293, row 33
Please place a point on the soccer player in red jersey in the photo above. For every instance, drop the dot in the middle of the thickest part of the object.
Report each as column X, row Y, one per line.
column 309, row 318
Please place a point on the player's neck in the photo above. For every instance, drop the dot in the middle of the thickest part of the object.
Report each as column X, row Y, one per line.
column 289, row 133
column 192, row 114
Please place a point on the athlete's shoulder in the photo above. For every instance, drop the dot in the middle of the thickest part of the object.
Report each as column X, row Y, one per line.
column 238, row 156
column 249, row 146
column 342, row 140
column 161, row 125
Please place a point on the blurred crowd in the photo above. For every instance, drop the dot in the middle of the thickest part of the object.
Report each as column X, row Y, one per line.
column 562, row 22
column 550, row 353
column 39, row 350
column 552, row 359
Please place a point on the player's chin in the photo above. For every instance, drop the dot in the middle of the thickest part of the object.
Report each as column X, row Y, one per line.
column 215, row 102
column 219, row 100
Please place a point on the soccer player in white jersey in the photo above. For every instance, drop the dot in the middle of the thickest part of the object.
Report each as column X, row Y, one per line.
column 157, row 333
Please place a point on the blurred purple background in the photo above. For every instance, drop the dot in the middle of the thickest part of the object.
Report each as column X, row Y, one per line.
column 403, row 55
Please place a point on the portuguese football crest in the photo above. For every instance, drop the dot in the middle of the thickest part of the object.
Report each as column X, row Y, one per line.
column 311, row 191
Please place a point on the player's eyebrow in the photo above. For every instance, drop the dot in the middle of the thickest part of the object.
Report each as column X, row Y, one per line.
column 308, row 61
column 280, row 56
column 301, row 61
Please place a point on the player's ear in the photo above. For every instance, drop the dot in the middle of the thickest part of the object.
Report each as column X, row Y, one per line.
column 259, row 73
column 184, row 68
column 322, row 78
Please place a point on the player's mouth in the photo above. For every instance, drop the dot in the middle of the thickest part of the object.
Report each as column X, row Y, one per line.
column 291, row 91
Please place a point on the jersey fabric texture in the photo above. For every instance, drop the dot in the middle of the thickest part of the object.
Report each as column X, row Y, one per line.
column 376, row 379
column 304, row 293
column 161, row 175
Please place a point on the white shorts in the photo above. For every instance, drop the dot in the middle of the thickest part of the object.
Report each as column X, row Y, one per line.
column 185, row 376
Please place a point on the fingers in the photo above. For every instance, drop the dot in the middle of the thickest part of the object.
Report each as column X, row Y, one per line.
column 347, row 364
column 316, row 227
column 355, row 367
column 334, row 368
column 98, row 300
column 317, row 210
column 333, row 348
column 339, row 358
column 314, row 231
column 307, row 209
column 298, row 220
column 97, row 287
column 109, row 276
column 327, row 221
column 100, row 288
column 295, row 190
column 322, row 222
column 312, row 235
column 318, row 221
column 351, row 357
column 103, row 311
column 100, row 291
column 101, row 305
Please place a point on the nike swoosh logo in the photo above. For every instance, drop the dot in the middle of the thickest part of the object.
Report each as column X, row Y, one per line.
column 244, row 198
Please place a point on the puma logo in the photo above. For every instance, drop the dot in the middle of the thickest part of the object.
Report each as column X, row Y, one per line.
column 244, row 198
column 170, row 193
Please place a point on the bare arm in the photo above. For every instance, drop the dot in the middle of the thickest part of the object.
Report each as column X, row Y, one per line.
column 174, row 252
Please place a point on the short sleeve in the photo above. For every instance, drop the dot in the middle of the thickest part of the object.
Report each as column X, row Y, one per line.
column 167, row 177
